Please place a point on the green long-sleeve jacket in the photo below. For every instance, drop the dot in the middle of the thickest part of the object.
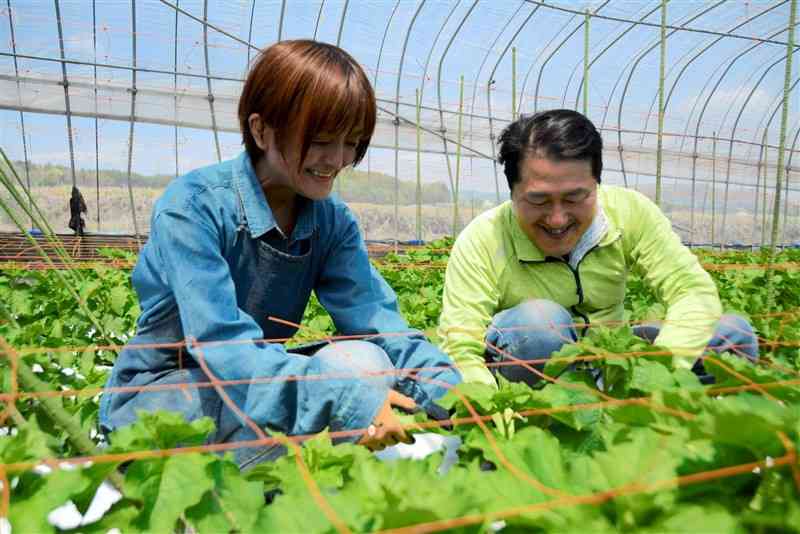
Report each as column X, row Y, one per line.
column 494, row 266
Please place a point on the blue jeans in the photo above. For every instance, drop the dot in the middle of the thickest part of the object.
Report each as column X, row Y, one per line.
column 352, row 360
column 535, row 329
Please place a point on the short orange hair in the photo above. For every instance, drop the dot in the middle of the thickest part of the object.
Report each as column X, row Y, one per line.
column 311, row 87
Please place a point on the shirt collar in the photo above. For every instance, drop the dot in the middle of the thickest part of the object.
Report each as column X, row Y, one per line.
column 257, row 213
column 601, row 232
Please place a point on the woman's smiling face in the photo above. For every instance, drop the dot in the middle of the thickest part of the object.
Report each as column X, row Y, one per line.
column 327, row 155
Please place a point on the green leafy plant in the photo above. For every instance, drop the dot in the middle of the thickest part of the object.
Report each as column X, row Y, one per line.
column 647, row 449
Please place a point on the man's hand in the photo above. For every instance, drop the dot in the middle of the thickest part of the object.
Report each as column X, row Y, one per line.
column 386, row 429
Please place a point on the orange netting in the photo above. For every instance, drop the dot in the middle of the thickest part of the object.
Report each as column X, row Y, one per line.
column 560, row 498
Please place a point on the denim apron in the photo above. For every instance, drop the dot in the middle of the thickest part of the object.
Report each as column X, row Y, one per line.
column 272, row 282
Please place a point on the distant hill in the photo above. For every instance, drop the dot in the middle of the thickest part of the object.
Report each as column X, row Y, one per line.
column 354, row 185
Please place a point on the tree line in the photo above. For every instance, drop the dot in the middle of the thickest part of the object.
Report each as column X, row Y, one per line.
column 353, row 185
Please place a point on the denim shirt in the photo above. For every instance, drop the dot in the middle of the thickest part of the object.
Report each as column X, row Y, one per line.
column 217, row 268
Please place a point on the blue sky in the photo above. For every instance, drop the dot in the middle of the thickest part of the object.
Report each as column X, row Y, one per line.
column 478, row 48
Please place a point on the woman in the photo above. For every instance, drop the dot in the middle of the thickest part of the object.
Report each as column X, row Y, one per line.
column 236, row 244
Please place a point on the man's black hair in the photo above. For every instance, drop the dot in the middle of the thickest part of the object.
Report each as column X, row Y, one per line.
column 557, row 134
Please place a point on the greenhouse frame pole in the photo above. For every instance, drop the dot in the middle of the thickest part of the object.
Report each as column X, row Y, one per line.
column 208, row 81
column 442, row 127
column 756, row 197
column 396, row 120
column 430, row 53
column 702, row 113
column 660, row 139
column 788, row 170
column 713, row 189
column 489, row 50
column 319, row 17
column 217, row 29
column 130, row 131
column 419, row 168
column 634, row 67
column 654, row 25
column 458, row 156
column 21, row 113
column 96, row 125
column 602, row 53
column 513, row 83
column 675, row 82
column 764, row 148
column 688, row 63
column 489, row 84
column 65, row 83
column 785, row 215
column 723, row 229
column 280, row 22
column 249, row 33
column 585, row 64
column 764, row 196
column 175, row 87
column 338, row 43
column 782, row 144
column 550, row 56
column 128, row 67
column 535, row 61
column 375, row 79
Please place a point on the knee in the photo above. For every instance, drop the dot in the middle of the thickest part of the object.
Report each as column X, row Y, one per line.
column 534, row 311
column 545, row 321
column 737, row 334
column 735, row 323
column 356, row 359
column 192, row 402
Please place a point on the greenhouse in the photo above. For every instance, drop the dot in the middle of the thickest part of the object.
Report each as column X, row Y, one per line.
column 132, row 133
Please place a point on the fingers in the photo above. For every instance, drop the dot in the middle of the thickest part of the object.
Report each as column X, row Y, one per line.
column 401, row 401
column 387, row 435
column 377, row 438
column 386, row 429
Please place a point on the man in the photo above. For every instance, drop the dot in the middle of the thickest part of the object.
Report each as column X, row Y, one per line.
column 533, row 273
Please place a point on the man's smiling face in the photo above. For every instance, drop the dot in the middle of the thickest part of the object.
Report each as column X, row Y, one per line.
column 555, row 202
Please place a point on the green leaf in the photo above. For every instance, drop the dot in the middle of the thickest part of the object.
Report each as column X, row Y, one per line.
column 20, row 303
column 160, row 430
column 556, row 395
column 563, row 358
column 233, row 504
column 95, row 474
column 57, row 330
column 66, row 359
column 686, row 379
column 644, row 459
column 86, row 364
column 121, row 516
column 117, row 298
column 167, row 488
column 36, row 496
column 88, row 288
column 481, row 396
column 536, row 451
column 708, row 518
column 747, row 421
column 28, row 445
column 648, row 376
column 285, row 515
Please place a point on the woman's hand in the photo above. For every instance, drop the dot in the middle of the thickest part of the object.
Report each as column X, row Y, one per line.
column 386, row 429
